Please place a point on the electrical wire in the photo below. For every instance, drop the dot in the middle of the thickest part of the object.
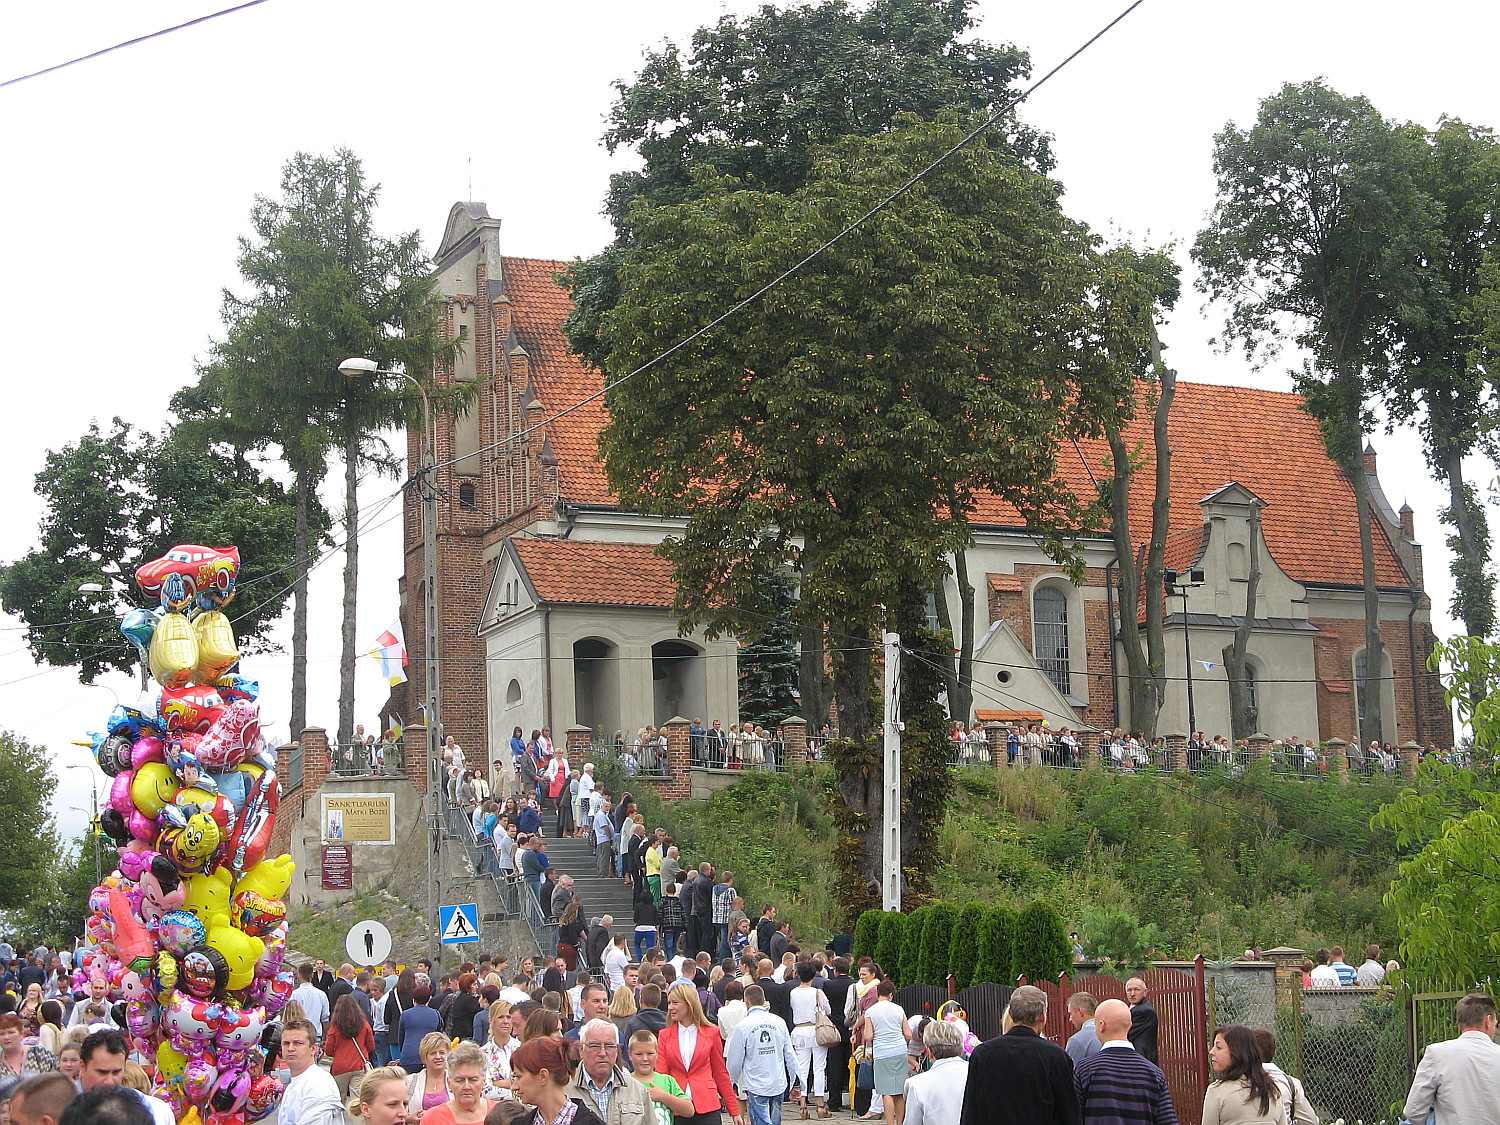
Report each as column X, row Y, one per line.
column 130, row 43
column 968, row 139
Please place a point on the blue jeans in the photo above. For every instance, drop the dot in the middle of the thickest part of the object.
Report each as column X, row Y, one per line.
column 722, row 930
column 382, row 1049
column 644, row 941
column 669, row 939
column 765, row 1109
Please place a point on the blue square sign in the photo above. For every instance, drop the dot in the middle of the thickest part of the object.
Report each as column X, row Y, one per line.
column 459, row 924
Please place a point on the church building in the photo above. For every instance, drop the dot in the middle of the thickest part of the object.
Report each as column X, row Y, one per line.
column 556, row 612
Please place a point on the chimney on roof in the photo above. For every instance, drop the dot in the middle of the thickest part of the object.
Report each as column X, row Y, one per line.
column 1408, row 524
column 1369, row 458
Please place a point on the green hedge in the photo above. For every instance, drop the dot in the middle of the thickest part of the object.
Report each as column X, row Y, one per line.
column 888, row 942
column 997, row 936
column 866, row 934
column 1041, row 950
column 963, row 945
column 911, row 946
column 937, row 937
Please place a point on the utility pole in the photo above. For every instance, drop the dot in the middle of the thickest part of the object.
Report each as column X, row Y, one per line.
column 1179, row 583
column 890, row 867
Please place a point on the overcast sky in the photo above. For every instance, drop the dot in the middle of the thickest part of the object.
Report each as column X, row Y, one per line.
column 130, row 177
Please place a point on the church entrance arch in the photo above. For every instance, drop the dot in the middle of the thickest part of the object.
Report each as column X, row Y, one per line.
column 679, row 681
column 596, row 686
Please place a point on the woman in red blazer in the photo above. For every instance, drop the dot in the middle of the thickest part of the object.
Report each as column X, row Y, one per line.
column 704, row 1076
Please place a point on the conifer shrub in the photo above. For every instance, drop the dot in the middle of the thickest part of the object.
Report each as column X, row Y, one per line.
column 911, row 946
column 997, row 933
column 963, row 945
column 888, row 941
column 937, row 937
column 866, row 934
column 1040, row 950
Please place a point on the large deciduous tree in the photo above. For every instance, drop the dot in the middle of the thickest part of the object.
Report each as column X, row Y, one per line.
column 1321, row 234
column 322, row 286
column 26, row 789
column 119, row 498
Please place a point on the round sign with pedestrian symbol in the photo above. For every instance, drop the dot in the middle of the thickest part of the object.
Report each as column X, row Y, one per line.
column 368, row 943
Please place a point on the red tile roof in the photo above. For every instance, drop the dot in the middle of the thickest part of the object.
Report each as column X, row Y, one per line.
column 992, row 716
column 568, row 571
column 1262, row 439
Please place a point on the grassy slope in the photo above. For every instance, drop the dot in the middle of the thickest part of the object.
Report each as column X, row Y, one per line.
column 1216, row 864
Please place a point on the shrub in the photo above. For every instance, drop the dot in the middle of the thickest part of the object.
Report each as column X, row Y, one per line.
column 911, row 946
column 997, row 934
column 1118, row 940
column 866, row 934
column 1040, row 950
column 888, row 941
column 963, row 947
column 937, row 936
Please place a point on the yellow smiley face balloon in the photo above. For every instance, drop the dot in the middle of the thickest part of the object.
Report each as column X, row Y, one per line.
column 153, row 788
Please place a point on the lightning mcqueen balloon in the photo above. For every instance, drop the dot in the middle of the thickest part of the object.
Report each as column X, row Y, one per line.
column 199, row 569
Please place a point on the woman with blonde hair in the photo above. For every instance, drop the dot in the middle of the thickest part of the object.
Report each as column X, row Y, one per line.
column 428, row 1087
column 690, row 1049
column 380, row 1097
column 623, row 1008
column 498, row 1050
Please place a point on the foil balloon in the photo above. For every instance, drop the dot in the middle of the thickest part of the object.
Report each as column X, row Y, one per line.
column 269, row 877
column 201, row 1074
column 115, row 753
column 252, row 831
column 240, row 952
column 190, row 709
column 280, row 991
column 191, row 848
column 202, row 973
column 210, row 570
column 198, row 799
column 112, row 824
column 166, row 972
column 180, row 756
column 270, row 961
column 179, row 931
column 257, row 915
column 174, row 651
column 141, row 826
column 208, row 896
column 138, row 626
column 238, row 687
column 217, row 652
column 265, row 1093
column 119, row 793
column 233, row 736
column 132, row 721
column 232, row 784
column 162, row 889
column 152, row 788
column 147, row 748
column 133, row 944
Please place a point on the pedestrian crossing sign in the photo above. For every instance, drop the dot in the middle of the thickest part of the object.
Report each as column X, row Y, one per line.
column 459, row 924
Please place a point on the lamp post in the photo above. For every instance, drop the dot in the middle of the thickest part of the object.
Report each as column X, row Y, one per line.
column 94, row 807
column 1179, row 583
column 356, row 367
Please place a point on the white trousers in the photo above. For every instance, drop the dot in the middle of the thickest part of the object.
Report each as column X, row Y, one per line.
column 809, row 1054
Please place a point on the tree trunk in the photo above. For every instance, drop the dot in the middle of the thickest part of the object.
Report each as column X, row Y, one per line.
column 1476, row 597
column 862, row 789
column 851, row 680
column 1373, row 728
column 1161, row 511
column 1244, row 718
column 813, row 682
column 1137, row 672
column 301, row 474
column 958, row 666
column 351, row 582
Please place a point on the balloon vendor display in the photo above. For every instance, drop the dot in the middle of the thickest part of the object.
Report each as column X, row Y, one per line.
column 190, row 929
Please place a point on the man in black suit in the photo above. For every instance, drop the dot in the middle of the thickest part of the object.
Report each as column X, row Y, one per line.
column 703, row 909
column 781, row 937
column 598, row 941
column 322, row 978
column 836, row 988
column 342, row 985
column 1020, row 1078
column 1143, row 1021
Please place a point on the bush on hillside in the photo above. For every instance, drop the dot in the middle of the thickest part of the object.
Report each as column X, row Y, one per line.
column 963, row 946
column 937, row 936
column 1118, row 941
column 997, row 934
column 866, row 934
column 1040, row 950
column 911, row 946
column 892, row 933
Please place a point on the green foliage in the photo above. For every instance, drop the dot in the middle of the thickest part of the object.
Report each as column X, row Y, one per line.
column 963, row 949
column 118, row 499
column 937, row 939
column 56, row 916
column 26, row 788
column 997, row 937
column 1041, row 950
column 866, row 934
column 1118, row 940
column 927, row 778
column 768, row 665
column 1377, row 1037
column 912, row 942
column 894, row 927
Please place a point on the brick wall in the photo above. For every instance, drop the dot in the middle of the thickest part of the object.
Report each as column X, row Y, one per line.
column 297, row 800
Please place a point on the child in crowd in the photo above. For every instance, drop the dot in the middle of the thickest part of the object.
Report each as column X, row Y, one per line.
column 667, row 1097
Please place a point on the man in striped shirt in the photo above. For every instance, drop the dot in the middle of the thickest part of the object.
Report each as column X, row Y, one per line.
column 1117, row 1086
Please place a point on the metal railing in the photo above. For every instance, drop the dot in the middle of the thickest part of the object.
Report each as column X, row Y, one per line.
column 515, row 897
column 356, row 759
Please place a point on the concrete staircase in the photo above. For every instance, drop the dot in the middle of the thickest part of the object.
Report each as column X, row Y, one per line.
column 600, row 895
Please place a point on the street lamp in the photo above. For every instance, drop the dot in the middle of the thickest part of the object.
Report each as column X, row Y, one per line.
column 359, row 368
column 94, row 823
column 1179, row 582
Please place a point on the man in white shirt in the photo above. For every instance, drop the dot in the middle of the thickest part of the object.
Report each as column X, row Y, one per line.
column 98, row 994
column 615, row 960
column 585, row 795
column 1371, row 972
column 1324, row 975
column 312, row 1096
column 102, row 1061
column 937, row 1097
column 1458, row 1081
column 313, row 999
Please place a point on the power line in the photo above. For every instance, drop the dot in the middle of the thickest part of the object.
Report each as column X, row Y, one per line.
column 130, row 43
column 968, row 138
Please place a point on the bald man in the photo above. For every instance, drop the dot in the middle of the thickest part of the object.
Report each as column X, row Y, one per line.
column 41, row 1099
column 1118, row 1085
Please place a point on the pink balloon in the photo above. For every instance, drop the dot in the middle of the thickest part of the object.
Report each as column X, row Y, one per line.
column 119, row 793
column 147, row 749
column 141, row 826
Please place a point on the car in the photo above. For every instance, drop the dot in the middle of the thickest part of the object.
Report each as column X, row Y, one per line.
column 187, row 570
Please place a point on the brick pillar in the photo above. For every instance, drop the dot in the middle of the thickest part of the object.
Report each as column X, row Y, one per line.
column 414, row 750
column 679, row 748
column 1094, row 755
column 994, row 736
column 1338, row 759
column 1288, row 964
column 1411, row 754
column 794, row 734
column 1260, row 747
column 284, row 754
column 314, row 758
column 579, row 742
column 1176, row 751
